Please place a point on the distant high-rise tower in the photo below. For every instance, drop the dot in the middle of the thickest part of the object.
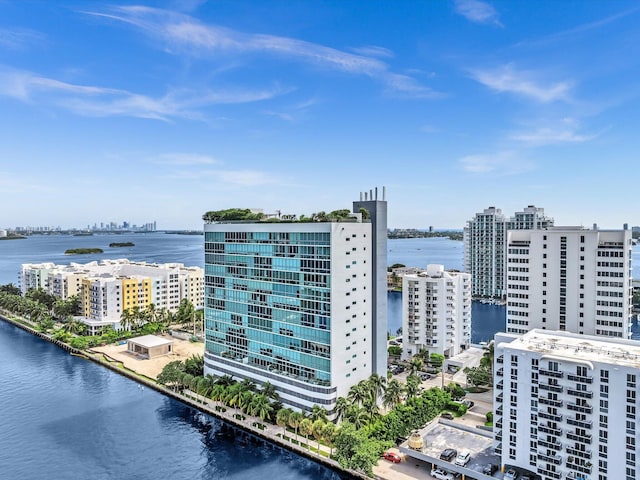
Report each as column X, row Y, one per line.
column 484, row 246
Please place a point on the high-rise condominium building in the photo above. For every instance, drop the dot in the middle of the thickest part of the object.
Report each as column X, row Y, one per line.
column 294, row 304
column 567, row 405
column 484, row 246
column 436, row 312
column 570, row 278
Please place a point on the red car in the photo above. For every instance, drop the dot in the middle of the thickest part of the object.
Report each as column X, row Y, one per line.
column 392, row 457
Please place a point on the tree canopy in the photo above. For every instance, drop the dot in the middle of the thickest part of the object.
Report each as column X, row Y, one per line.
column 231, row 214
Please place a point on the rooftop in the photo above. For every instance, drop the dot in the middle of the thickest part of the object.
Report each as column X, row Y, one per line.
column 150, row 341
column 578, row 347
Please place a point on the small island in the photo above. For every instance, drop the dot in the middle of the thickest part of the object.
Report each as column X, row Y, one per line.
column 82, row 251
column 122, row 244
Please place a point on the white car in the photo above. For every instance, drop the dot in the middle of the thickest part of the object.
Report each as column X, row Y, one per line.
column 442, row 474
column 463, row 458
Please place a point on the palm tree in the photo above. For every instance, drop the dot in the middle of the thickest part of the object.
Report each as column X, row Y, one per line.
column 359, row 392
column 306, row 427
column 393, row 394
column 317, row 429
column 329, row 435
column 218, row 392
column 371, row 408
column 377, row 384
column 225, row 380
column 260, row 406
column 234, row 395
column 318, row 413
column 342, row 405
column 282, row 419
column 415, row 365
column 126, row 319
column 248, row 384
column 360, row 418
column 413, row 385
column 270, row 391
column 294, row 421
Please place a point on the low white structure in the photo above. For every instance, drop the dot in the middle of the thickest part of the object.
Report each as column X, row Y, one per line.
column 149, row 346
column 566, row 405
column 436, row 311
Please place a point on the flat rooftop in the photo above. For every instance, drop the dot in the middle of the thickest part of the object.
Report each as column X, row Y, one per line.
column 441, row 434
column 150, row 341
column 583, row 347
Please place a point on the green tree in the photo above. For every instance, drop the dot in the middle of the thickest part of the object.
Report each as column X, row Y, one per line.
column 318, row 413
column 171, row 375
column 436, row 360
column 317, row 430
column 393, row 394
column 342, row 405
column 306, row 427
column 194, row 364
column 294, row 421
column 412, row 385
column 282, row 419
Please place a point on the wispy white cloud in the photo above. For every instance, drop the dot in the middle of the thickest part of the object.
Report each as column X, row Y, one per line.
column 16, row 38
column 567, row 131
column 185, row 34
column 499, row 163
column 583, row 28
column 13, row 184
column 373, row 51
column 96, row 101
column 185, row 159
column 506, row 79
column 477, row 11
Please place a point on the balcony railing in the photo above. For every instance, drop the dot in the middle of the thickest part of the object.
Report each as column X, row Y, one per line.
column 580, row 393
column 579, row 423
column 578, row 438
column 551, row 388
column 579, row 453
column 580, row 408
column 551, row 431
column 547, row 444
column 551, row 373
column 579, row 378
column 550, row 416
column 555, row 459
column 548, row 401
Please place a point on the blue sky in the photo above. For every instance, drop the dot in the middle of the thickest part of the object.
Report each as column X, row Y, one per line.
column 162, row 111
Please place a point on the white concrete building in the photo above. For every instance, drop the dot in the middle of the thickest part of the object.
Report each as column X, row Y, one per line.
column 570, row 278
column 293, row 304
column 436, row 312
column 566, row 405
column 484, row 246
column 108, row 288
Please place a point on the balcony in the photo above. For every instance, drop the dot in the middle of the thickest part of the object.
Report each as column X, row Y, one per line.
column 547, row 444
column 579, row 423
column 551, row 431
column 579, row 408
column 579, row 465
column 500, row 359
column 579, row 378
column 586, row 454
column 551, row 373
column 580, row 393
column 549, row 473
column 548, row 401
column 555, row 459
column 500, row 385
column 550, row 416
column 578, row 438
column 551, row 388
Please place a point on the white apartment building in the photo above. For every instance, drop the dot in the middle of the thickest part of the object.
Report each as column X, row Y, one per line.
column 484, row 246
column 108, row 288
column 570, row 278
column 293, row 304
column 567, row 405
column 436, row 312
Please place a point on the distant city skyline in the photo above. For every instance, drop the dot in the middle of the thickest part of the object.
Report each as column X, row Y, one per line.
column 171, row 109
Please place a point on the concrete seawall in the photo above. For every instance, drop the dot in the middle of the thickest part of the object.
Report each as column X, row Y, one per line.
column 244, row 425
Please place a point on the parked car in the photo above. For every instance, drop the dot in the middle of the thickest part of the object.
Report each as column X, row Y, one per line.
column 425, row 376
column 463, row 458
column 447, row 415
column 490, row 469
column 468, row 403
column 510, row 474
column 392, row 457
column 448, row 454
column 442, row 474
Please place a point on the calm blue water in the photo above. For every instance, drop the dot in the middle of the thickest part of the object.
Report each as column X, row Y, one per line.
column 64, row 418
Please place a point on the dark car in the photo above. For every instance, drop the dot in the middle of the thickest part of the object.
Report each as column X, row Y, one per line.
column 490, row 469
column 447, row 415
column 467, row 403
column 424, row 376
column 449, row 454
